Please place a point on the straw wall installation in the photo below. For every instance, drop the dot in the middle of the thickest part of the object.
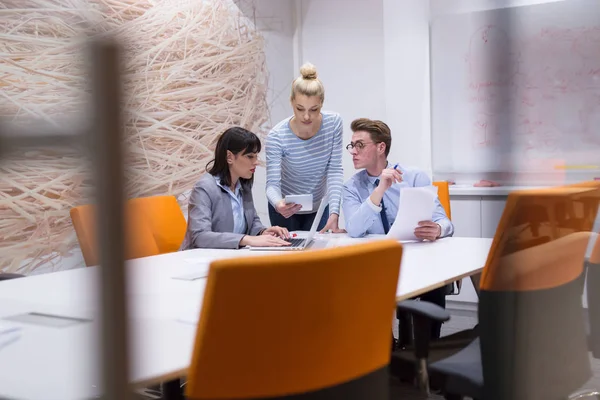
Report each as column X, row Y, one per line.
column 192, row 69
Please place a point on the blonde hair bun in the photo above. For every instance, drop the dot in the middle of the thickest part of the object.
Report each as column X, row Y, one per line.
column 307, row 83
column 308, row 71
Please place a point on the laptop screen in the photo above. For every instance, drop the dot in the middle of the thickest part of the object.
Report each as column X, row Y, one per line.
column 315, row 225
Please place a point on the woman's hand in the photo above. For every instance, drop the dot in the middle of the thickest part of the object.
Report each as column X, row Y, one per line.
column 332, row 223
column 277, row 231
column 287, row 209
column 263, row 241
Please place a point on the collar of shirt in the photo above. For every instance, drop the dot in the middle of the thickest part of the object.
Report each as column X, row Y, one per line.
column 238, row 187
column 372, row 179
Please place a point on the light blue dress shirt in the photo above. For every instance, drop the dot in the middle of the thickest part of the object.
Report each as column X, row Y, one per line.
column 363, row 217
column 237, row 206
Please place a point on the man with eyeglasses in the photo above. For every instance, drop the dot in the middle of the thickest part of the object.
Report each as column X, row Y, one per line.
column 371, row 196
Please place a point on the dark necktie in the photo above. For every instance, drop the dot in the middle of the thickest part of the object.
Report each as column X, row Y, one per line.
column 384, row 220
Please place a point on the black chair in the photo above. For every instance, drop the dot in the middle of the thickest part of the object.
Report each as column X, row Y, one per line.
column 530, row 306
column 532, row 339
column 410, row 356
column 409, row 361
column 532, row 343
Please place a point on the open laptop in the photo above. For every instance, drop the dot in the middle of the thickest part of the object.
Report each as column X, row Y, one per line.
column 300, row 244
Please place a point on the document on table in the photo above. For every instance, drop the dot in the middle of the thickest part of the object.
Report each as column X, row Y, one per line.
column 416, row 204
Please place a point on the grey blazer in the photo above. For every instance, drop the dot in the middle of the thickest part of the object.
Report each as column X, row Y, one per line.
column 210, row 217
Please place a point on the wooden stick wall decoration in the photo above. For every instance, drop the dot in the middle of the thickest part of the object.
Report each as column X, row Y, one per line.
column 193, row 68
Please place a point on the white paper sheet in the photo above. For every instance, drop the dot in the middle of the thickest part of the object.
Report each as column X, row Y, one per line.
column 416, row 204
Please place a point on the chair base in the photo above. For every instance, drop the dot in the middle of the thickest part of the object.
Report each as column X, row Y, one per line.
column 404, row 364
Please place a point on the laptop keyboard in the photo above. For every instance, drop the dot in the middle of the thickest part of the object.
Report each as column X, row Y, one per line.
column 295, row 242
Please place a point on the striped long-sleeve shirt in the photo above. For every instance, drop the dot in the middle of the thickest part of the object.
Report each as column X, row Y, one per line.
column 298, row 166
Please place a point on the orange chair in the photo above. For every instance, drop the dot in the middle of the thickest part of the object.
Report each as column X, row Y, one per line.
column 316, row 325
column 140, row 241
column 444, row 196
column 165, row 219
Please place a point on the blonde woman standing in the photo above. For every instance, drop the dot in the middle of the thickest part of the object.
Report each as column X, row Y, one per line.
column 304, row 156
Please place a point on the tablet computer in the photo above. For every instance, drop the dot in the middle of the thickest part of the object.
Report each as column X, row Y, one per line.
column 305, row 200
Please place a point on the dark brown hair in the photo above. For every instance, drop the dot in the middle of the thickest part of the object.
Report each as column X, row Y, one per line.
column 237, row 140
column 378, row 130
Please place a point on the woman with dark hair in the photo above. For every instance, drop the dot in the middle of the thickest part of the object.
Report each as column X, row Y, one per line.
column 221, row 211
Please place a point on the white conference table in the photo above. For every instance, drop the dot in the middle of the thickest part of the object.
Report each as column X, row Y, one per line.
column 40, row 362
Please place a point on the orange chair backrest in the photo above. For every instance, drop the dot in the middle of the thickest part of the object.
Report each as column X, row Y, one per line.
column 444, row 196
column 139, row 239
column 525, row 259
column 165, row 218
column 309, row 320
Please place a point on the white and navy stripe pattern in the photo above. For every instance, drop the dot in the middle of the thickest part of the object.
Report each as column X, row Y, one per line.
column 297, row 166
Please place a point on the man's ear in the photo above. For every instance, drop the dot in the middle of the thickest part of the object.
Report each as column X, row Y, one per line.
column 381, row 147
column 230, row 157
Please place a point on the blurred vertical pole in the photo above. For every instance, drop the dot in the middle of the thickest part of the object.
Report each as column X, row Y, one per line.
column 107, row 151
column 510, row 53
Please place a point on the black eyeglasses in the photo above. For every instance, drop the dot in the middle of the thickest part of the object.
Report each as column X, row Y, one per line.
column 357, row 145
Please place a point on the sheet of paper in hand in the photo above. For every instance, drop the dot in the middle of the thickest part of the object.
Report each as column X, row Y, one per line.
column 416, row 204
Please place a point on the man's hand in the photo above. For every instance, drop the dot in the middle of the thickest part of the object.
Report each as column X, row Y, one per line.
column 428, row 230
column 388, row 177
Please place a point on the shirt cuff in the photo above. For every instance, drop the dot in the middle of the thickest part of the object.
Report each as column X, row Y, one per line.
column 375, row 208
column 446, row 228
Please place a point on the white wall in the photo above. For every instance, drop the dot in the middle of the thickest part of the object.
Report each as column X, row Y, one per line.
column 344, row 40
column 439, row 7
column 406, row 62
column 275, row 20
column 443, row 7
column 373, row 58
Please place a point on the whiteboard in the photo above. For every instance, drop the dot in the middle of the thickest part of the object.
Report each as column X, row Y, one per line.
column 516, row 89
